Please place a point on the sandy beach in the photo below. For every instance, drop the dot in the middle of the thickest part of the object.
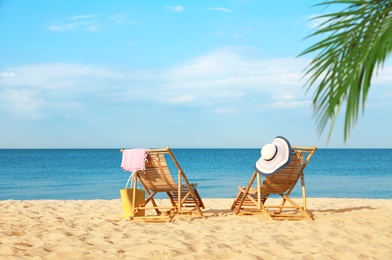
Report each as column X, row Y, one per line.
column 95, row 229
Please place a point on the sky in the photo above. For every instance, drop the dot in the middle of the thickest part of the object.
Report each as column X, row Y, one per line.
column 184, row 74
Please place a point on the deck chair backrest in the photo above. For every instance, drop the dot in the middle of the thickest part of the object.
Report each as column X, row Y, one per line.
column 157, row 175
column 285, row 178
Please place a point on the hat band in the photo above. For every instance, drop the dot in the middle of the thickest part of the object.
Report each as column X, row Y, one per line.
column 276, row 151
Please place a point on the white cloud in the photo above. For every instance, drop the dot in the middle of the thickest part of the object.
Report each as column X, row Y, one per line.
column 176, row 8
column 83, row 17
column 84, row 26
column 221, row 9
column 88, row 23
column 89, row 26
column 122, row 19
column 56, row 75
column 7, row 74
column 230, row 67
column 213, row 82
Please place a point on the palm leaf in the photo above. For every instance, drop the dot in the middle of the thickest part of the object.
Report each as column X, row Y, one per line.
column 358, row 40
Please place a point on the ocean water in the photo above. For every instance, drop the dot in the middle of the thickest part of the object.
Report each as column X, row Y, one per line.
column 83, row 174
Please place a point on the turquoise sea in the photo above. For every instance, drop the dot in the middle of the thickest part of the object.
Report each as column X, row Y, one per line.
column 84, row 174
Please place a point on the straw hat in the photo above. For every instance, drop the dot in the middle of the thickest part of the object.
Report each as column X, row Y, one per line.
column 274, row 156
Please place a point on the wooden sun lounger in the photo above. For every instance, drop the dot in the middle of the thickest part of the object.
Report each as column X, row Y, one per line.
column 157, row 178
column 253, row 200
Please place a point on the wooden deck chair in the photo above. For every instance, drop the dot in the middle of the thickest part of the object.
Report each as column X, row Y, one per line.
column 253, row 200
column 157, row 178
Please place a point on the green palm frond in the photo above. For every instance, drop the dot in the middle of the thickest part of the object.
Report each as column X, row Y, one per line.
column 357, row 42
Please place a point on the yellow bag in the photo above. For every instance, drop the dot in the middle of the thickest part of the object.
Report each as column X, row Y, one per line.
column 126, row 199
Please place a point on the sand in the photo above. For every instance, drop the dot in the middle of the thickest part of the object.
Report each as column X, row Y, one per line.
column 95, row 229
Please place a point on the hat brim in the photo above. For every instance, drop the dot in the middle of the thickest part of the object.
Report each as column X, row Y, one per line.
column 281, row 159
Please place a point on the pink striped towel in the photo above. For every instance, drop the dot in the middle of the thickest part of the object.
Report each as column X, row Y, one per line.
column 133, row 159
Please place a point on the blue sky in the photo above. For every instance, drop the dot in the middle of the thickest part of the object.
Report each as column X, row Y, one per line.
column 198, row 74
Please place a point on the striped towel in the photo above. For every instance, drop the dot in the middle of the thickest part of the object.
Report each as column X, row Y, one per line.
column 133, row 159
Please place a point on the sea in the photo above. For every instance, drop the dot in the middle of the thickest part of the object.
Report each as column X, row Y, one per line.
column 88, row 174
